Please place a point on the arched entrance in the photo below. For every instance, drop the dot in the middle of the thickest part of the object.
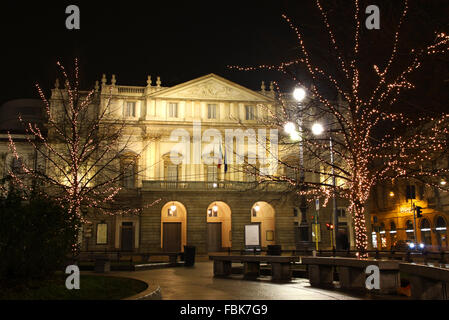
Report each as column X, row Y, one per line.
column 262, row 212
column 173, row 226
column 218, row 226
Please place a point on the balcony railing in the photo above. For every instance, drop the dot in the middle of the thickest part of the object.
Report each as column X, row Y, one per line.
column 130, row 90
column 157, row 185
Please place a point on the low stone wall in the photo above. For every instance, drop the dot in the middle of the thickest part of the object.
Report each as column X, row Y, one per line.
column 351, row 273
column 427, row 282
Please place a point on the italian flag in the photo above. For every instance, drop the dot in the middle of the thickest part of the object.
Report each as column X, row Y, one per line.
column 222, row 158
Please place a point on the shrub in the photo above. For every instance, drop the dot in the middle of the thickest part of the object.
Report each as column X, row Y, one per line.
column 35, row 237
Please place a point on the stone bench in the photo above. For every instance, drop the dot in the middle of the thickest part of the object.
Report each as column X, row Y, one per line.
column 281, row 266
column 351, row 272
column 102, row 263
column 172, row 256
column 427, row 282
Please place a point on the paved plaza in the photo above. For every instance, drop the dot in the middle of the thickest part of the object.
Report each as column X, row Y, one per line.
column 198, row 283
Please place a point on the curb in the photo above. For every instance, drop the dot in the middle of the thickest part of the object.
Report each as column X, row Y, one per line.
column 155, row 295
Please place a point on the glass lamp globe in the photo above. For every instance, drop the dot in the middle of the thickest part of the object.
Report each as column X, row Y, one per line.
column 299, row 94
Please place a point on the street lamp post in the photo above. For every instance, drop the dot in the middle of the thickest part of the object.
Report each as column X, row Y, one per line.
column 318, row 129
column 299, row 94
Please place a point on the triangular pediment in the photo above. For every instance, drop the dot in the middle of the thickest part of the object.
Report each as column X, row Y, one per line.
column 211, row 87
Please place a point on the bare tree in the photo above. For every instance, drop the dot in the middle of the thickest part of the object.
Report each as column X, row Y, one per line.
column 82, row 152
column 371, row 140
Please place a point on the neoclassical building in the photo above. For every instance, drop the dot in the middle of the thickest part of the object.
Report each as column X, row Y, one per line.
column 200, row 148
column 202, row 203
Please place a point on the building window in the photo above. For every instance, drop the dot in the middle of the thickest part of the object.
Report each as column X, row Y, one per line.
column 426, row 237
column 129, row 176
column 172, row 172
column 102, row 233
column 249, row 112
column 212, row 111
column 129, row 169
column 173, row 110
column 130, row 109
column 410, row 231
column 341, row 212
column 440, row 228
column 171, row 175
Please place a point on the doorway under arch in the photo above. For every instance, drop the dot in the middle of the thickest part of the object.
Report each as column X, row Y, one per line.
column 173, row 227
column 262, row 212
column 219, row 233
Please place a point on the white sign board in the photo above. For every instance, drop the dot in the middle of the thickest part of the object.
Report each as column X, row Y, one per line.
column 252, row 235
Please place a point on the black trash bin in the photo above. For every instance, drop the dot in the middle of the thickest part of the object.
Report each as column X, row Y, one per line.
column 189, row 256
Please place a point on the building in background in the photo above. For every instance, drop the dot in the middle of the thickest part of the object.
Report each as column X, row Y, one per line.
column 393, row 224
column 31, row 112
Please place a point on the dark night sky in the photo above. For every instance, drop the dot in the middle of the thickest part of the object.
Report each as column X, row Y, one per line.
column 177, row 40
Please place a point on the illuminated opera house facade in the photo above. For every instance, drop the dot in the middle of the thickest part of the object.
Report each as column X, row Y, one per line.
column 203, row 202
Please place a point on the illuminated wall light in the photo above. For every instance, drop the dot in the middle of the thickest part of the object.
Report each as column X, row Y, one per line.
column 173, row 208
column 440, row 228
column 215, row 185
column 391, row 194
column 392, row 231
column 443, row 182
column 425, row 229
column 409, row 231
column 215, row 208
column 257, row 208
column 382, row 232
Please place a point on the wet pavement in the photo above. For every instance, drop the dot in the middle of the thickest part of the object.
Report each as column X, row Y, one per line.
column 198, row 283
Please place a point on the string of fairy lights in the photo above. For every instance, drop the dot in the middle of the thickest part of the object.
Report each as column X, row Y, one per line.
column 70, row 146
column 364, row 161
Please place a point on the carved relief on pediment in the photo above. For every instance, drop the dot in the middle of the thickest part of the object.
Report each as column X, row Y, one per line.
column 213, row 90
